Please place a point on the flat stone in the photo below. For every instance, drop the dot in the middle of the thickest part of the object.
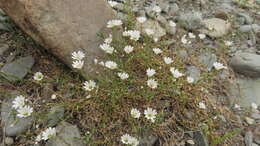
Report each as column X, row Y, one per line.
column 248, row 138
column 191, row 20
column 200, row 139
column 153, row 25
column 67, row 135
column 63, row 27
column 248, row 28
column 3, row 48
column 55, row 115
column 247, row 64
column 9, row 140
column 17, row 69
column 13, row 125
column 148, row 140
column 208, row 59
column 216, row 27
column 193, row 72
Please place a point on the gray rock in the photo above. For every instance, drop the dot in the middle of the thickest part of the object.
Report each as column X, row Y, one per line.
column 183, row 54
column 256, row 134
column 55, row 115
column 247, row 91
column 3, row 27
column 248, row 138
column 67, row 135
column 200, row 139
column 17, row 69
column 215, row 27
column 9, row 140
column 193, row 72
column 191, row 20
column 208, row 59
column 148, row 140
column 248, row 28
column 13, row 125
column 246, row 17
column 246, row 63
column 255, row 115
column 3, row 48
column 153, row 25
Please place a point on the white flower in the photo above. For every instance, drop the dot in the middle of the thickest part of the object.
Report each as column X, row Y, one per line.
column 135, row 113
column 78, row 55
column 236, row 106
column 152, row 83
column 175, row 72
column 149, row 31
column 150, row 72
column 157, row 50
column 202, row 36
column 184, row 40
column 133, row 141
column 202, row 105
column 172, row 23
column 191, row 35
column 113, row 23
column 38, row 138
column 128, row 49
column 167, row 60
column 141, row 19
column 18, row 102
column 190, row 79
column 107, row 48
column 228, row 43
column 150, row 114
column 112, row 3
column 219, row 66
column 109, row 39
column 89, row 85
column 157, row 9
column 126, row 138
column 110, row 64
column 78, row 64
column 101, row 63
column 38, row 76
column 53, row 96
column 24, row 111
column 48, row 133
column 254, row 105
column 123, row 75
column 89, row 96
column 155, row 39
column 133, row 34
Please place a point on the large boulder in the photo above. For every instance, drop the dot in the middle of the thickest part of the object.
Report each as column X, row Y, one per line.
column 247, row 64
column 64, row 26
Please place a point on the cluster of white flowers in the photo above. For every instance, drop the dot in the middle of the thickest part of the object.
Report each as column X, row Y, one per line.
column 150, row 114
column 254, row 106
column 175, row 72
column 202, row 36
column 111, row 65
column 228, row 43
column 157, row 51
column 23, row 110
column 112, row 3
column 135, row 113
column 89, row 85
column 190, row 79
column 46, row 134
column 202, row 105
column 38, row 76
column 219, row 66
column 168, row 60
column 152, row 83
column 113, row 23
column 129, row 140
column 141, row 19
column 133, row 34
column 128, row 49
column 123, row 75
column 78, row 59
column 191, row 36
column 150, row 72
column 184, row 40
column 107, row 48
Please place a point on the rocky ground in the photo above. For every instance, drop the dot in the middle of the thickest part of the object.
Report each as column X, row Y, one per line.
column 232, row 29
